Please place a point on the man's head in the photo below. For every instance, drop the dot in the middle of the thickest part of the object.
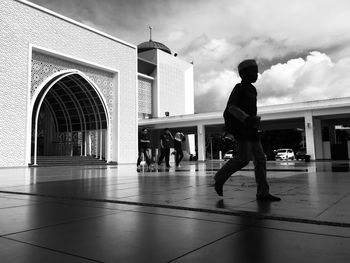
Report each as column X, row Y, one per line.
column 248, row 70
column 145, row 130
column 166, row 130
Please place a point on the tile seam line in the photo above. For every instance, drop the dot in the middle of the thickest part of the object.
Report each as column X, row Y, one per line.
column 205, row 245
column 204, row 210
column 334, row 203
column 58, row 224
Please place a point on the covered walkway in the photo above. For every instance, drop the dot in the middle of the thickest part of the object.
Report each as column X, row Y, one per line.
column 323, row 124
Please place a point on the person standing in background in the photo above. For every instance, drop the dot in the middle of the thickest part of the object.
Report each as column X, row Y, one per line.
column 178, row 139
column 144, row 149
column 165, row 140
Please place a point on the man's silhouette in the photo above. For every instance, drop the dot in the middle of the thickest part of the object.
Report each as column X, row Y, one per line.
column 242, row 122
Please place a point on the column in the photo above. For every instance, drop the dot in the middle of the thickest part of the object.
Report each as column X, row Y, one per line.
column 86, row 142
column 107, row 152
column 101, row 143
column 318, row 138
column 201, row 142
column 309, row 135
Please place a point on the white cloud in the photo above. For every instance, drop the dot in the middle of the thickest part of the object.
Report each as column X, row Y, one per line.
column 211, row 94
column 316, row 77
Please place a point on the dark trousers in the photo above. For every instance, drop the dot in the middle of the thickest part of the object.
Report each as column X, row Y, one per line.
column 164, row 152
column 178, row 156
column 146, row 156
column 247, row 151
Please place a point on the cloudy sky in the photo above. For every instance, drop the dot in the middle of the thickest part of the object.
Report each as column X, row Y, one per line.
column 302, row 47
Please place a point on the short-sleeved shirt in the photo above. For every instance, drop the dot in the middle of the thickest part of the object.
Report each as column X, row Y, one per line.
column 144, row 137
column 166, row 140
column 177, row 141
column 243, row 96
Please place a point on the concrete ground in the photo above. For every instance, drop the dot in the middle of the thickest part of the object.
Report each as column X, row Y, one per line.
column 114, row 214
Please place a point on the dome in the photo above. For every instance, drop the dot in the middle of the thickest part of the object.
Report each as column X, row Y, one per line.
column 150, row 45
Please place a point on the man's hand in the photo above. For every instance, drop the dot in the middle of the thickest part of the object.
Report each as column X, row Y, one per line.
column 252, row 121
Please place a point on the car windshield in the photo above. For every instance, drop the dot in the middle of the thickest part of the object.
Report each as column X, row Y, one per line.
column 281, row 151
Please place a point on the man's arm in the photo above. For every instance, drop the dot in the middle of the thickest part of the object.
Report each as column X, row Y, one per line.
column 145, row 138
column 171, row 136
column 161, row 142
column 251, row 121
column 238, row 113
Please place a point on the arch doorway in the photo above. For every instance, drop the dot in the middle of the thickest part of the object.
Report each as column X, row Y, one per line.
column 69, row 118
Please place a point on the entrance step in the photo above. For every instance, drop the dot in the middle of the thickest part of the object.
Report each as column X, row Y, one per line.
column 67, row 161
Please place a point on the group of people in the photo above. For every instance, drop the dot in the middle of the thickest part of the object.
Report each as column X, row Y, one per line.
column 166, row 141
column 242, row 121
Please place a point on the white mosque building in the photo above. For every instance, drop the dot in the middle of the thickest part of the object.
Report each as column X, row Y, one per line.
column 67, row 89
column 70, row 90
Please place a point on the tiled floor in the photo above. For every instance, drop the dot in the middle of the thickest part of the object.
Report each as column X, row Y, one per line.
column 113, row 214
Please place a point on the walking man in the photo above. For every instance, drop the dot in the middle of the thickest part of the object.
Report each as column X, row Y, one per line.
column 165, row 140
column 242, row 122
column 178, row 139
column 144, row 149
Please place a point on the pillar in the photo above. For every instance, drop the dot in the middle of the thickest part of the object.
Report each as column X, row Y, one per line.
column 317, row 129
column 309, row 135
column 101, row 143
column 201, row 142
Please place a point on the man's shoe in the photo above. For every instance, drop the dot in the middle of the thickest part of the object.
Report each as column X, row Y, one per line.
column 268, row 197
column 218, row 189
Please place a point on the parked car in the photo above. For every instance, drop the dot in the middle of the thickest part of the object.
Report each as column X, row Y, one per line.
column 301, row 155
column 228, row 155
column 284, row 154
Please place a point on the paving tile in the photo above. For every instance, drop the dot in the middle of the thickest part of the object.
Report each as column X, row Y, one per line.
column 273, row 246
column 339, row 211
column 24, row 218
column 18, row 252
column 129, row 237
column 6, row 202
column 216, row 217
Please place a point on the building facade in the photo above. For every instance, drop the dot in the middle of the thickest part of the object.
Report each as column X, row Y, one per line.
column 60, row 92
column 70, row 90
column 165, row 82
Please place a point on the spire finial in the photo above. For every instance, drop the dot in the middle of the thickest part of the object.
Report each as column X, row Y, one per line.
column 150, row 33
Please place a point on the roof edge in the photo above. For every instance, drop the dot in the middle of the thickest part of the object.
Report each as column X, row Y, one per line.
column 74, row 22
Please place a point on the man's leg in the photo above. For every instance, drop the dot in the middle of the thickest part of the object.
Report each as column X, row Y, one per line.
column 148, row 156
column 161, row 157
column 233, row 165
column 260, row 174
column 167, row 157
column 139, row 158
column 181, row 155
column 178, row 156
column 260, row 169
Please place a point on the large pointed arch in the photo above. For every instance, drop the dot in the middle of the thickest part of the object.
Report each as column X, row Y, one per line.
column 76, row 105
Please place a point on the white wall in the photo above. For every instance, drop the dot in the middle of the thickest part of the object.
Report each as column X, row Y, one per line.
column 175, row 85
column 24, row 24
